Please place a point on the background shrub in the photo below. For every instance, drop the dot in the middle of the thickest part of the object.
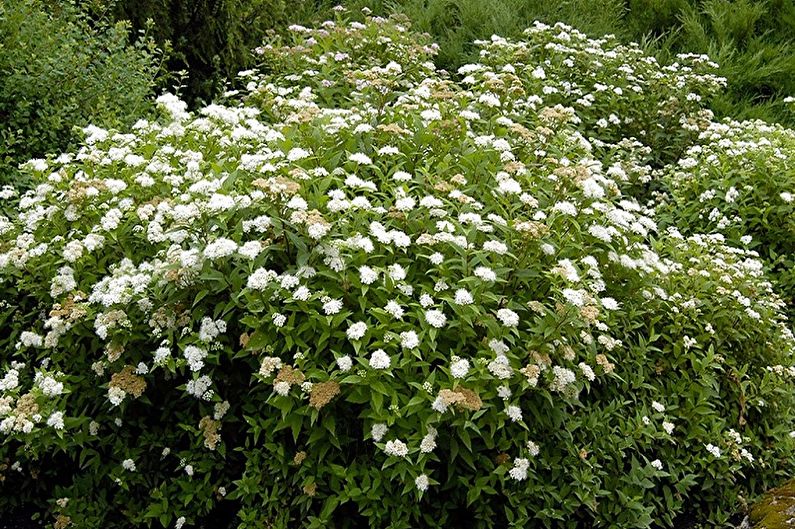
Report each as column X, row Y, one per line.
column 212, row 39
column 751, row 40
column 739, row 181
column 218, row 313
column 60, row 69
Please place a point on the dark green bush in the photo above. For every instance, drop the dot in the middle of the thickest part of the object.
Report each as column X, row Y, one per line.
column 60, row 69
column 212, row 39
column 751, row 40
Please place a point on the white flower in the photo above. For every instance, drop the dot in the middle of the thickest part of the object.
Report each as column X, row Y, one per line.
column 566, row 208
column 31, row 339
column 519, row 470
column 360, row 158
column 302, row 293
column 421, row 482
column 396, row 448
column 428, row 443
column 297, row 153
column 409, row 340
column 396, row 272
column 532, row 448
column 260, row 279
column 332, row 306
column 180, row 522
column 195, row 357
column 657, row 464
column 486, row 274
column 514, row 412
column 575, row 297
column 459, row 368
column 563, row 378
column 128, row 464
column 601, row 233
column 378, row 431
column 394, row 309
column 210, row 329
column 787, row 197
column 496, row 247
column 220, row 248
column 668, row 427
column 657, row 406
column 116, row 395
column 281, row 388
column 367, row 275
column 463, row 297
column 50, row 387
column 402, row 176
column 405, row 204
column 344, row 363
column 357, row 331
column 379, row 359
column 435, row 318
column 56, row 420
column 712, row 449
column 250, row 250
column 610, row 303
column 587, row 371
column 508, row 317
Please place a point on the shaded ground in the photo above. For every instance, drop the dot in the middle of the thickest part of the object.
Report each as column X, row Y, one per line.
column 18, row 519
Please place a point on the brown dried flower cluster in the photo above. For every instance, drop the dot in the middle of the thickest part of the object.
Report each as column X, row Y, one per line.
column 461, row 398
column 128, row 381
column 278, row 185
column 532, row 229
column 290, row 375
column 322, row 393
column 209, row 428
column 71, row 309
column 299, row 457
column 590, row 313
column 605, row 363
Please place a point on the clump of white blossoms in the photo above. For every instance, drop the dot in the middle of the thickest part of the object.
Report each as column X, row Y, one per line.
column 355, row 246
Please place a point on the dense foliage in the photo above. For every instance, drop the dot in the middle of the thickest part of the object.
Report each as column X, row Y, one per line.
column 60, row 70
column 739, row 180
column 211, row 39
column 358, row 291
column 753, row 41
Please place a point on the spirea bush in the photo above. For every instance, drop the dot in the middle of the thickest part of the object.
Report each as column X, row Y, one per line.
column 359, row 294
column 739, row 180
column 617, row 91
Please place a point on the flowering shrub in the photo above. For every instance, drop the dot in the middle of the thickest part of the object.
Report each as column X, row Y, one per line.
column 739, row 180
column 358, row 293
column 616, row 90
